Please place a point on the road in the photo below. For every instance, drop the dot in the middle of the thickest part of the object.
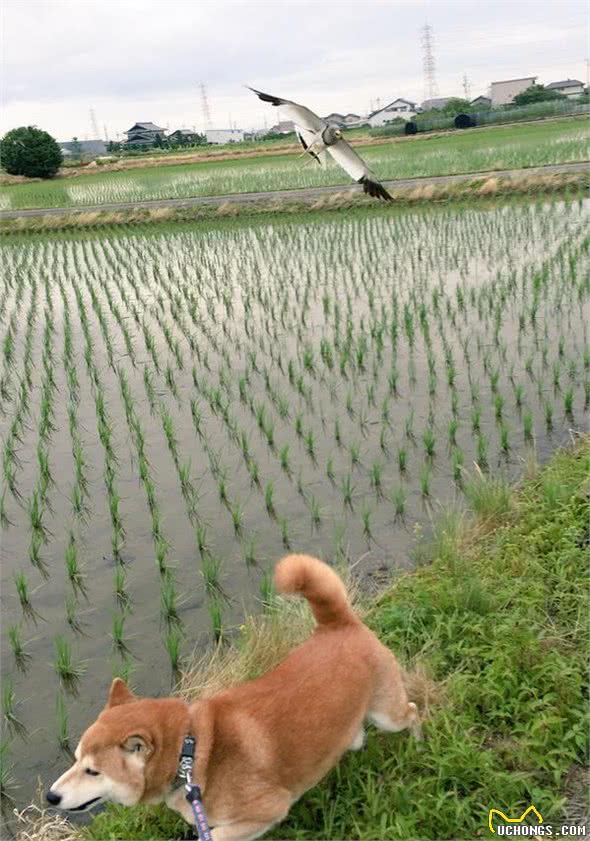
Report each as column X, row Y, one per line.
column 295, row 195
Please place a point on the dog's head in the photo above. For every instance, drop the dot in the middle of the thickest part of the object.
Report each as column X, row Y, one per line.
column 111, row 757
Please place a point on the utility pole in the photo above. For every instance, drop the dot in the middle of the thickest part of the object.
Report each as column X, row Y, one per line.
column 466, row 86
column 94, row 125
column 430, row 86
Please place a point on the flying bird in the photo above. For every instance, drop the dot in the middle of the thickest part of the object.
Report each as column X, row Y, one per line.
column 319, row 137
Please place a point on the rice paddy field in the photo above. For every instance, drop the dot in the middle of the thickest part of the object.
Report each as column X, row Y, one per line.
column 182, row 405
column 493, row 148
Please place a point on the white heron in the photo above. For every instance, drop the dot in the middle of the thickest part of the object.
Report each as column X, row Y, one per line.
column 319, row 137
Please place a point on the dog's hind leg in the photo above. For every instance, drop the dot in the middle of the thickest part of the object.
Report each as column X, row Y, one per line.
column 389, row 708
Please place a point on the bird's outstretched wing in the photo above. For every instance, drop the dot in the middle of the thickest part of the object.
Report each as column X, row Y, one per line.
column 299, row 114
column 354, row 165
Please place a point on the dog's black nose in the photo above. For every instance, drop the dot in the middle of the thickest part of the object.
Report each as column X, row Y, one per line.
column 54, row 799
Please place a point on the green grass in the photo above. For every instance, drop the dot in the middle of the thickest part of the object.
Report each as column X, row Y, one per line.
column 498, row 623
column 492, row 148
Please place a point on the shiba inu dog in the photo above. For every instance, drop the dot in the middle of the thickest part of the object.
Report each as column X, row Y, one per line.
column 259, row 745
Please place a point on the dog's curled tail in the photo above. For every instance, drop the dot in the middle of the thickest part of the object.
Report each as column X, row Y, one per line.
column 319, row 584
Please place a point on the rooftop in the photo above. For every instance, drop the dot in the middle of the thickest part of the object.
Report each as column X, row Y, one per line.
column 567, row 83
column 521, row 79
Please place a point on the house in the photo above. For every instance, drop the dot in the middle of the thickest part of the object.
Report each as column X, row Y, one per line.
column 183, row 137
column 503, row 92
column 282, row 127
column 436, row 104
column 144, row 134
column 224, row 135
column 398, row 108
column 568, row 87
column 342, row 120
column 481, row 102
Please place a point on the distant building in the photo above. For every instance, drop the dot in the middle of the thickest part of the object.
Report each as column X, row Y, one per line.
column 282, row 127
column 224, row 135
column 144, row 134
column 84, row 148
column 399, row 108
column 503, row 92
column 343, row 120
column 569, row 87
column 481, row 102
column 436, row 104
column 183, row 136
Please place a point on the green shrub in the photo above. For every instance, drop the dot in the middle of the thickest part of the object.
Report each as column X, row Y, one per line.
column 31, row 152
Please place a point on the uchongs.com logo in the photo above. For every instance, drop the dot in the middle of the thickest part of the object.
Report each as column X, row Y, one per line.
column 535, row 827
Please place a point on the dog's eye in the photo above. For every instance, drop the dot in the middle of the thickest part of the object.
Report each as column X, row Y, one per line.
column 92, row 773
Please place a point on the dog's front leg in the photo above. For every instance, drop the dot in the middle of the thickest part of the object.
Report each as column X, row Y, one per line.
column 244, row 831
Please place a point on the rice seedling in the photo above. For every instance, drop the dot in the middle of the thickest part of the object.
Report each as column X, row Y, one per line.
column 24, row 597
column 211, row 572
column 173, row 643
column 284, row 526
column 11, row 720
column 68, row 672
column 429, row 440
column 568, row 403
column 215, row 608
column 250, row 552
column 482, row 451
column 366, row 515
column 22, row 658
column 347, row 489
column 398, row 500
column 425, row 476
column 118, row 634
column 269, row 491
column 355, row 454
column 315, row 511
column 73, row 571
column 285, row 459
column 63, row 732
column 527, row 426
column 120, row 587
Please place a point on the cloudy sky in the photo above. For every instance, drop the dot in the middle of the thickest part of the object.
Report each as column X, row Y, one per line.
column 132, row 60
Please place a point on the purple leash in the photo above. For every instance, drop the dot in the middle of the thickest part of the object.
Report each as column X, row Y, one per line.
column 193, row 795
column 193, row 792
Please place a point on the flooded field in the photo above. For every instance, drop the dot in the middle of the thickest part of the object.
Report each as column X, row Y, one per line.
column 182, row 406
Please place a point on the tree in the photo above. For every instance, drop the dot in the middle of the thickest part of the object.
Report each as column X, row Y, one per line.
column 31, row 152
column 536, row 93
column 456, row 105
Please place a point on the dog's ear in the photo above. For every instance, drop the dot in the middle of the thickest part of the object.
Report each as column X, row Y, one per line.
column 120, row 693
column 139, row 744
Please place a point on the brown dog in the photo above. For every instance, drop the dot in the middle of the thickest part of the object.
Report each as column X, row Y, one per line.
column 260, row 745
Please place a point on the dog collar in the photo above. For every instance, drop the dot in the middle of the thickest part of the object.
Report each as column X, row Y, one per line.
column 186, row 760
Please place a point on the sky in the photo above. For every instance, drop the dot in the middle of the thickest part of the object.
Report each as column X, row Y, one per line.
column 137, row 60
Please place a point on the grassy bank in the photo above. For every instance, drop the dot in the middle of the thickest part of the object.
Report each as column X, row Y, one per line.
column 490, row 149
column 480, row 188
column 493, row 628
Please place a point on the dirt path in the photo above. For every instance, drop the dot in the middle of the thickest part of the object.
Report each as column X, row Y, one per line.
column 306, row 194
